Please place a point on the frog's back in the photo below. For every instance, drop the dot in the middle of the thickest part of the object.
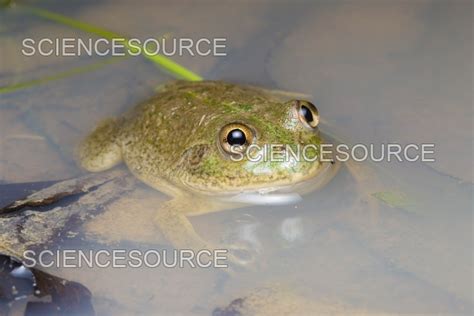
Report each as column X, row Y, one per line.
column 181, row 116
column 210, row 95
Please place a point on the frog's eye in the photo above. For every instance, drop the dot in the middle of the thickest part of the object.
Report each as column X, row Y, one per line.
column 307, row 113
column 235, row 137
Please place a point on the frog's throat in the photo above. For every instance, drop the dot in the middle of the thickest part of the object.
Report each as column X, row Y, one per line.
column 286, row 195
column 319, row 176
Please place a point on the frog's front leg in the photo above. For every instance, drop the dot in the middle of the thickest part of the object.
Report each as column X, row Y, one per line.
column 100, row 150
column 176, row 227
column 178, row 230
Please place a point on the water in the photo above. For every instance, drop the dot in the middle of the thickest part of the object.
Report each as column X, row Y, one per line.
column 378, row 72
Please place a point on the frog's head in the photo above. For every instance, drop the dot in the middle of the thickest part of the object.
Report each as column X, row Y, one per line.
column 253, row 147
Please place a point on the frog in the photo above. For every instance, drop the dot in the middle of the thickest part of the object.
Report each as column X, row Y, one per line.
column 201, row 144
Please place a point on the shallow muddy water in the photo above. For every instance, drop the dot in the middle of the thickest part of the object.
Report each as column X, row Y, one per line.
column 388, row 237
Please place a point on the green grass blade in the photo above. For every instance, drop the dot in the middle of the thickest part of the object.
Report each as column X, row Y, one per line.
column 167, row 64
column 395, row 199
column 58, row 76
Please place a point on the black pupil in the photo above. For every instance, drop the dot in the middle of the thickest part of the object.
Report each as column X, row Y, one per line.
column 307, row 113
column 236, row 137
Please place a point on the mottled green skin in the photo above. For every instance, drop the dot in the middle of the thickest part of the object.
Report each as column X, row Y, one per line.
column 171, row 140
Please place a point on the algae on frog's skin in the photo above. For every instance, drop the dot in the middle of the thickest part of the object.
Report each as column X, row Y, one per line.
column 210, row 165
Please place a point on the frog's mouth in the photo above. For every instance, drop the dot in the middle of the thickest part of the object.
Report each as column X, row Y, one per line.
column 281, row 193
column 285, row 194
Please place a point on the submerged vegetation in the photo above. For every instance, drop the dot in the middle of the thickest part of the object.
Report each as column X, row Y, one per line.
column 162, row 62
